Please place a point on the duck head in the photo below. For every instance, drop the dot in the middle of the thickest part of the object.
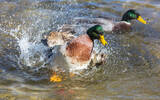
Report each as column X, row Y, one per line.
column 96, row 32
column 133, row 14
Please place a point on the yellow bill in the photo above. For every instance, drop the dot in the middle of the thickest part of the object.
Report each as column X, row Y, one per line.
column 141, row 20
column 103, row 41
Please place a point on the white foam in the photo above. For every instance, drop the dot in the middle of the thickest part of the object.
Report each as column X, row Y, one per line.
column 24, row 45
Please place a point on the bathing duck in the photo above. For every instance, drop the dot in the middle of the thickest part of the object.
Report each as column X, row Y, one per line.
column 76, row 54
column 121, row 26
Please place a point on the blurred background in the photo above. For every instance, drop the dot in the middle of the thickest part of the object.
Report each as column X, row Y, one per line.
column 131, row 71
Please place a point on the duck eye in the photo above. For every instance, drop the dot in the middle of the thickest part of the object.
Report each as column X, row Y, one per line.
column 101, row 33
column 132, row 15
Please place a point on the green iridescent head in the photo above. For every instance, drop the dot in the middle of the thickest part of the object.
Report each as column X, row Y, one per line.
column 132, row 14
column 96, row 32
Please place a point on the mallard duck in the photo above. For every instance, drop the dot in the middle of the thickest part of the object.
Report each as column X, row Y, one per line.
column 110, row 26
column 76, row 54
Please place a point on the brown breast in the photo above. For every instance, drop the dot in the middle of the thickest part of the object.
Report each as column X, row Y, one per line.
column 80, row 48
column 121, row 27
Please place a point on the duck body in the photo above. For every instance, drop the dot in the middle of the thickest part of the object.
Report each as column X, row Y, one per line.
column 74, row 55
column 111, row 26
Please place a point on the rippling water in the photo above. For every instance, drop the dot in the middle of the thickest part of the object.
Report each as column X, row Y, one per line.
column 131, row 71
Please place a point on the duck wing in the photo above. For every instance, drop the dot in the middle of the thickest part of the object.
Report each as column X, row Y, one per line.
column 107, row 24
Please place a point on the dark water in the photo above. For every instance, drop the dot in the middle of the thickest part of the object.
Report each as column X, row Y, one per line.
column 131, row 71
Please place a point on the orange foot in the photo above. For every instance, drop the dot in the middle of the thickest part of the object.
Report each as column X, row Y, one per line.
column 58, row 78
column 55, row 78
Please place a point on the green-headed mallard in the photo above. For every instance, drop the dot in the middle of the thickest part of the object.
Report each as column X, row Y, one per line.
column 76, row 54
column 110, row 26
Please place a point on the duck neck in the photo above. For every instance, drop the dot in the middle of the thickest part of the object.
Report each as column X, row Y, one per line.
column 126, row 20
column 91, row 36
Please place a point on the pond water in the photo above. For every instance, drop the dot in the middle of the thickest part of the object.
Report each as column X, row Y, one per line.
column 131, row 71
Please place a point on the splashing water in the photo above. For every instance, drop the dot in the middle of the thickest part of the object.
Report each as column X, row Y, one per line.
column 31, row 29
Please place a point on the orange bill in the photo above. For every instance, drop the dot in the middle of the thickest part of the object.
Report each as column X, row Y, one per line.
column 103, row 41
column 141, row 20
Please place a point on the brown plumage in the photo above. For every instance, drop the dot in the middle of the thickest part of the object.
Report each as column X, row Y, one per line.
column 121, row 27
column 80, row 48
